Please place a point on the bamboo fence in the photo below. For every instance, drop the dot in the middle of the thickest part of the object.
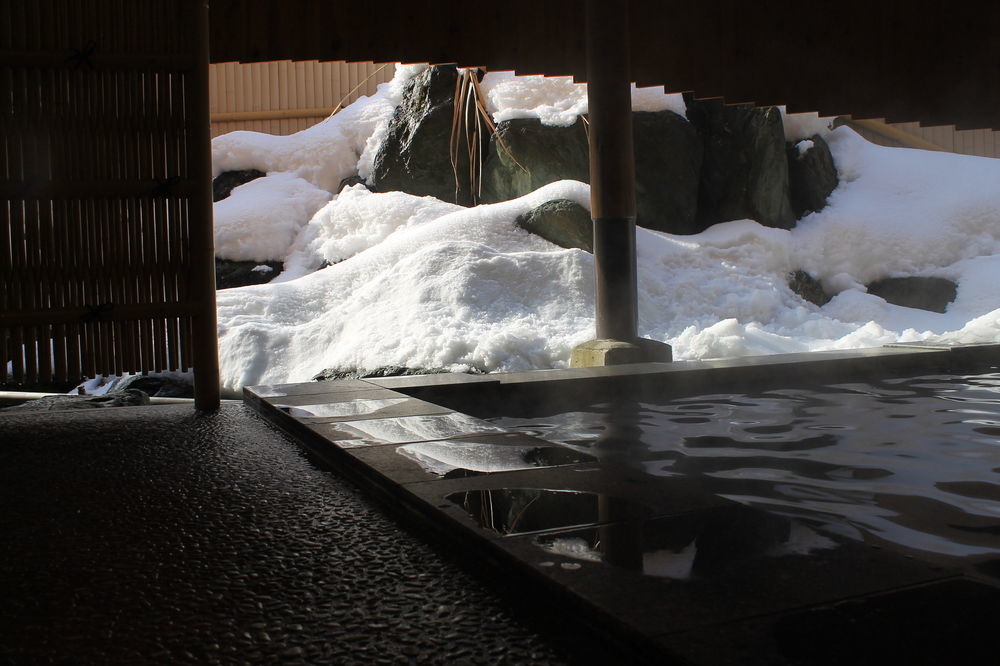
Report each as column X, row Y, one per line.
column 980, row 142
column 102, row 216
column 284, row 97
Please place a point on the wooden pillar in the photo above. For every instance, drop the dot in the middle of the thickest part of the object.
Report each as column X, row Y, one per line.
column 612, row 169
column 612, row 194
column 205, row 333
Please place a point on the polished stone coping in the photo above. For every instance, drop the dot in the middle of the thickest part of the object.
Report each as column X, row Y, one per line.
column 568, row 384
column 919, row 355
column 437, row 379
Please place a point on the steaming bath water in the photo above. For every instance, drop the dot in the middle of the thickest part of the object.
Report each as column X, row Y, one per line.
column 912, row 463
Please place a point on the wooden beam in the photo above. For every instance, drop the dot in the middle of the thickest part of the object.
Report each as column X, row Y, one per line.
column 274, row 114
column 100, row 313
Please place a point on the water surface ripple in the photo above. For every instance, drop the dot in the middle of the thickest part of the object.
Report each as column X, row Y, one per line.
column 915, row 462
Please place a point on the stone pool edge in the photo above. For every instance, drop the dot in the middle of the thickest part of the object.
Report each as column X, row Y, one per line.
column 373, row 467
column 569, row 385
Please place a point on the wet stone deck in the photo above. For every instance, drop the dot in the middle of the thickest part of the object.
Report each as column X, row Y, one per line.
column 152, row 535
column 651, row 567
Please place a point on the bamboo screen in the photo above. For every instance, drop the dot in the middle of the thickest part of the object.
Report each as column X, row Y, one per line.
column 284, row 97
column 98, row 200
column 981, row 142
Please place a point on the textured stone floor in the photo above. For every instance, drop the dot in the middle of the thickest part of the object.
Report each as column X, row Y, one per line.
column 150, row 534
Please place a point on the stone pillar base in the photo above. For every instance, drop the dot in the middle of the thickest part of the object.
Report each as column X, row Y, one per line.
column 594, row 353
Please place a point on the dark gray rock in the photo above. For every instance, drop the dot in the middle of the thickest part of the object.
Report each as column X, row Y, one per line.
column 668, row 158
column 543, row 154
column 156, row 386
column 812, row 176
column 126, row 398
column 808, row 288
column 229, row 274
column 415, row 155
column 352, row 180
column 923, row 293
column 224, row 183
column 560, row 221
column 744, row 172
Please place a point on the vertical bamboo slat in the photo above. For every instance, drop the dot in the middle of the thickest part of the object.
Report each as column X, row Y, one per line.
column 304, row 98
column 256, row 89
column 277, row 91
column 230, row 89
column 339, row 83
column 28, row 287
column 356, row 79
column 45, row 283
column 321, row 85
column 6, row 264
column 173, row 216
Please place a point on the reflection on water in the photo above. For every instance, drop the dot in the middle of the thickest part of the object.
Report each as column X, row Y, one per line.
column 346, row 408
column 597, row 527
column 914, row 461
column 523, row 510
column 667, row 549
column 412, row 428
column 451, row 458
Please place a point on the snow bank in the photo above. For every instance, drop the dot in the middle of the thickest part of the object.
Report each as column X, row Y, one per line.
column 355, row 221
column 260, row 219
column 466, row 290
column 900, row 212
column 897, row 212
